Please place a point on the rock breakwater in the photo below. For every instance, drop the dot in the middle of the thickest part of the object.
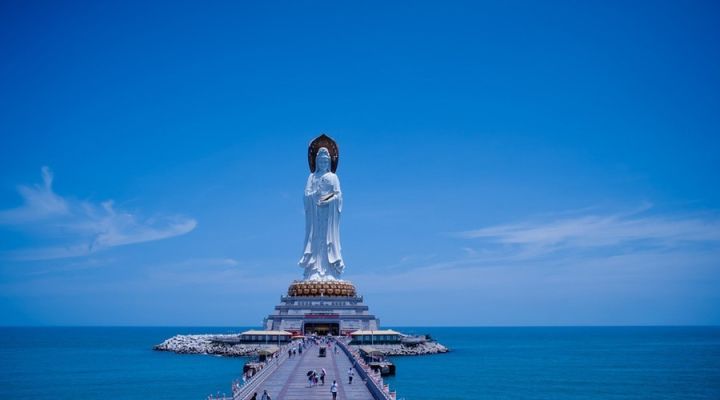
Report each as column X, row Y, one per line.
column 227, row 345
column 224, row 345
column 411, row 350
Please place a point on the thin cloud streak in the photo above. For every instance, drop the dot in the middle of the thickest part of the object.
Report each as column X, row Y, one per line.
column 40, row 202
column 85, row 227
column 584, row 241
column 593, row 231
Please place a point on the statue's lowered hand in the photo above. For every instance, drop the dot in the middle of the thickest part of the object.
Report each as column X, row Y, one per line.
column 326, row 199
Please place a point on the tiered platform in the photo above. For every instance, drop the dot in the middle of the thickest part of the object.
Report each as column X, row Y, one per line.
column 322, row 308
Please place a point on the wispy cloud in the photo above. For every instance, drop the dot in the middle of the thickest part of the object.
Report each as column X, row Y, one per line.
column 40, row 202
column 585, row 266
column 83, row 226
column 584, row 232
column 570, row 244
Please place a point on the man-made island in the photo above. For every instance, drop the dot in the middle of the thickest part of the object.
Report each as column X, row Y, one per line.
column 232, row 345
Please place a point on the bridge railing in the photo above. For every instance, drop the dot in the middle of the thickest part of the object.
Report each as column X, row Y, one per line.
column 243, row 391
column 374, row 383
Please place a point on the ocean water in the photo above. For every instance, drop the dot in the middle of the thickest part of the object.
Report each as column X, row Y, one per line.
column 565, row 363
column 485, row 363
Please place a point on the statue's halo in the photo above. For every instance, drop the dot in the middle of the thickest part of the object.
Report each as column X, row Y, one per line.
column 328, row 143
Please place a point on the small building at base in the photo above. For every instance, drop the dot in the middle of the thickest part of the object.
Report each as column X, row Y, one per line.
column 265, row 337
column 387, row 336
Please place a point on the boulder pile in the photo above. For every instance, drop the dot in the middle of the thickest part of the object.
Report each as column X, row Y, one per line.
column 208, row 344
column 416, row 350
column 226, row 345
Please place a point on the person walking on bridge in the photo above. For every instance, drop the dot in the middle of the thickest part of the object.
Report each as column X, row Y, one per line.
column 333, row 390
column 265, row 395
column 351, row 373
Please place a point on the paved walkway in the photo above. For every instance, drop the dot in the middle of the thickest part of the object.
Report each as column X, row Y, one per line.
column 290, row 382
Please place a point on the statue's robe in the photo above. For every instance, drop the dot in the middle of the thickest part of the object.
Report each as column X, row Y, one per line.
column 322, row 258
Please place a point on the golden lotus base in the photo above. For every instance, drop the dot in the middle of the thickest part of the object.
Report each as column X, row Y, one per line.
column 331, row 288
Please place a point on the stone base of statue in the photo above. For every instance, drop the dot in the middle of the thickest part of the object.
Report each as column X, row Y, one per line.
column 321, row 307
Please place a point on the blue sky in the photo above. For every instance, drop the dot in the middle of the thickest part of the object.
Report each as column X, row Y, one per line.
column 508, row 163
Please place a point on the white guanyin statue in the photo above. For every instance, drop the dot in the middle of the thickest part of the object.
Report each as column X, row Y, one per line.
column 322, row 259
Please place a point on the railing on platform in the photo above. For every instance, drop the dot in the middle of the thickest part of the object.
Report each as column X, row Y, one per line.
column 244, row 390
column 373, row 381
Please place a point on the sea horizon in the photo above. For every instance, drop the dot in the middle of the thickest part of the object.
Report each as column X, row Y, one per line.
column 559, row 363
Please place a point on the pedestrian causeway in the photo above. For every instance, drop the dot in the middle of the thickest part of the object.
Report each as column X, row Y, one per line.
column 290, row 381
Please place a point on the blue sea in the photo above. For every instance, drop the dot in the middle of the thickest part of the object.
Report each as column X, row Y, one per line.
column 485, row 363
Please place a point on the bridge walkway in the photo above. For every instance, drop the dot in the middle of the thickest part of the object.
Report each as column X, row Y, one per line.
column 289, row 381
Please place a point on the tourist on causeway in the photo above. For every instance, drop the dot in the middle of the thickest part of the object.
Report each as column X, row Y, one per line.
column 333, row 389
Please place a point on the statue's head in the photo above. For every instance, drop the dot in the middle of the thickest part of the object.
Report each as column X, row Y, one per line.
column 322, row 160
column 330, row 147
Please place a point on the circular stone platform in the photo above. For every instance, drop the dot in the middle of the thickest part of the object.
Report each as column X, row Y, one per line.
column 319, row 288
